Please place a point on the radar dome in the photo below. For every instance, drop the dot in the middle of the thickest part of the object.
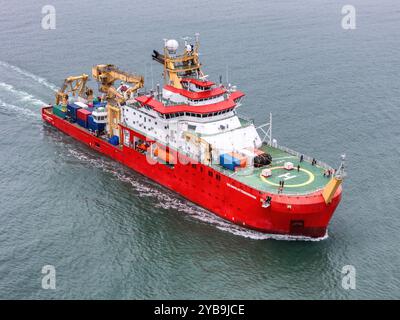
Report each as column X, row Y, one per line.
column 172, row 45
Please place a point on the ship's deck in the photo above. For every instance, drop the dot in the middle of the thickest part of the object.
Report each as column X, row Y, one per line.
column 309, row 179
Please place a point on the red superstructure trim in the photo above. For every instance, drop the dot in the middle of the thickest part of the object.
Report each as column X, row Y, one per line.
column 236, row 95
column 197, row 82
column 305, row 215
column 208, row 108
column 197, row 95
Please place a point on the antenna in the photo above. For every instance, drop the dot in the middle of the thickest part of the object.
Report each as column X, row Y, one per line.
column 186, row 39
column 152, row 79
column 227, row 73
column 145, row 76
column 270, row 128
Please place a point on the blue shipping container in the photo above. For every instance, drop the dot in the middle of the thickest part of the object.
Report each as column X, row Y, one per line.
column 72, row 109
column 228, row 161
column 81, row 122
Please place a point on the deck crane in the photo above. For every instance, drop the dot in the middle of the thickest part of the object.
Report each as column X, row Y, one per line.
column 75, row 85
column 106, row 75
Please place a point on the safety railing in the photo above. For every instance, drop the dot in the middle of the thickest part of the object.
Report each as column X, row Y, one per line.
column 305, row 157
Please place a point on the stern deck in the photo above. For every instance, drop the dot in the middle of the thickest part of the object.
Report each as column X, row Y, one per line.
column 309, row 179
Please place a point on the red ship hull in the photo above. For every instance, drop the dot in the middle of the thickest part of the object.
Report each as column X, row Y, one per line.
column 305, row 215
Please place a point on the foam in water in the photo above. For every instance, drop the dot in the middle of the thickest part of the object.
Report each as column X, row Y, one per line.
column 30, row 75
column 18, row 110
column 22, row 95
column 167, row 201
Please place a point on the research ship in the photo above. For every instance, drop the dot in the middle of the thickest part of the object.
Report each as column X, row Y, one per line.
column 187, row 135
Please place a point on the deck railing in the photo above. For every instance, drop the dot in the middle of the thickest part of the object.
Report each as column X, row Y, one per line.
column 305, row 157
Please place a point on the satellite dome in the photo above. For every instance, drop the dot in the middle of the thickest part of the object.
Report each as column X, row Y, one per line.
column 172, row 45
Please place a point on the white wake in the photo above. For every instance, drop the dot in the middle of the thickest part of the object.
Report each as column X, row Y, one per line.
column 30, row 75
column 21, row 95
column 18, row 110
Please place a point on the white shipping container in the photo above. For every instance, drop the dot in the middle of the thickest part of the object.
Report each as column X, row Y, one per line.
column 82, row 105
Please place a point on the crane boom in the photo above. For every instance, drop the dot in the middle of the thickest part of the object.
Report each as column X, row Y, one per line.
column 106, row 75
column 75, row 85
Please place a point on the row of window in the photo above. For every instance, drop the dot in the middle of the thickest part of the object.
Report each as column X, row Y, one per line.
column 183, row 114
column 197, row 115
column 204, row 99
column 99, row 118
column 200, row 87
column 140, row 116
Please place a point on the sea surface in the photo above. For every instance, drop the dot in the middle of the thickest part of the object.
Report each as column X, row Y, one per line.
column 113, row 234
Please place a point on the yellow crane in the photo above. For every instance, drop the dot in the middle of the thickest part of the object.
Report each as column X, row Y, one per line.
column 106, row 75
column 76, row 85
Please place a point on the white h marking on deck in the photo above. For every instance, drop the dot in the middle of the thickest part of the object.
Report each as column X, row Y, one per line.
column 287, row 176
